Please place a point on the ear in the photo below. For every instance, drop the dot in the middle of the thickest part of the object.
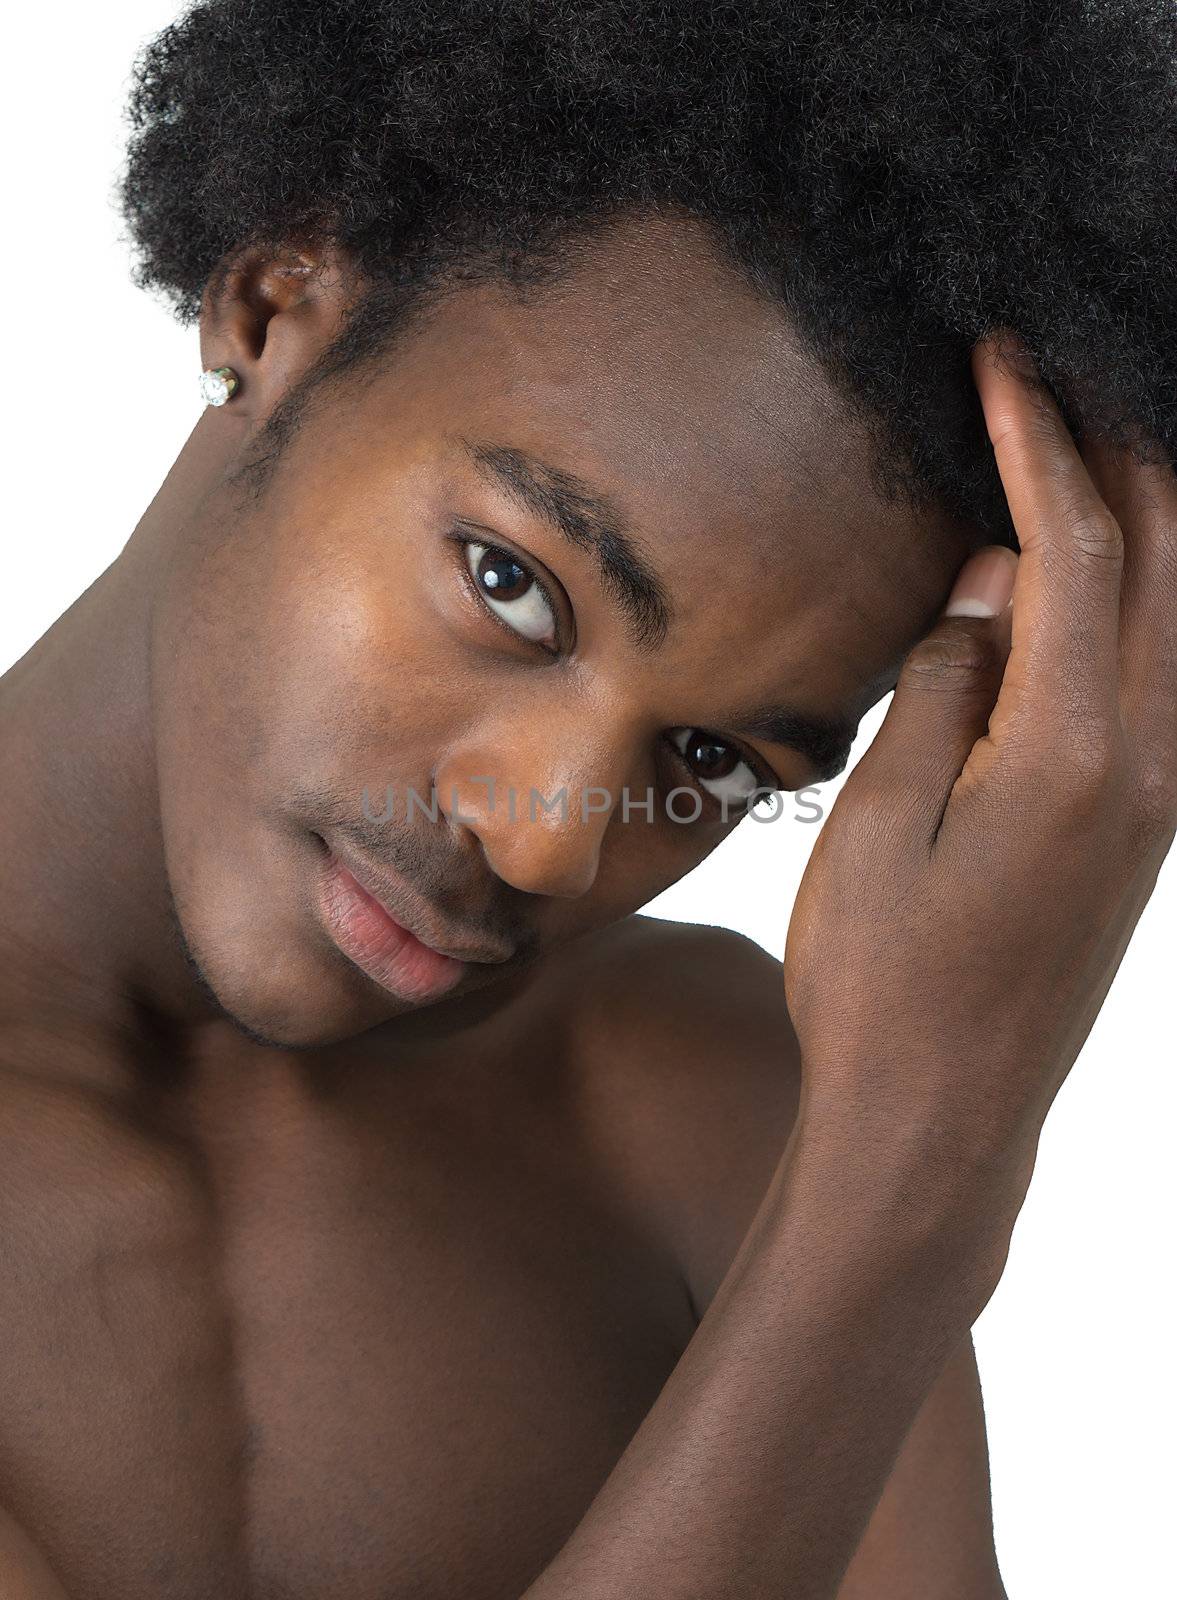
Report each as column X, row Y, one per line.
column 267, row 313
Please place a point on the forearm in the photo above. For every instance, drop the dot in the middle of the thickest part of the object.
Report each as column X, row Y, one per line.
column 757, row 1469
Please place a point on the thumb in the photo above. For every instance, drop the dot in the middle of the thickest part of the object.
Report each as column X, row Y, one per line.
column 946, row 691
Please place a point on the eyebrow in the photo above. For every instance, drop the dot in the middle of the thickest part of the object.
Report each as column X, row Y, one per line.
column 592, row 522
column 825, row 741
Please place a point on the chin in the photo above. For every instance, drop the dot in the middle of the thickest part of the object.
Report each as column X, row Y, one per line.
column 281, row 984
column 287, row 1003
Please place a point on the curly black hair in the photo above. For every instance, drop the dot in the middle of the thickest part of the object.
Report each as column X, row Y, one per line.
column 899, row 175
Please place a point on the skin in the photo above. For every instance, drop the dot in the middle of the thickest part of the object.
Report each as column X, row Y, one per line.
column 261, row 692
column 350, row 1294
column 889, row 1224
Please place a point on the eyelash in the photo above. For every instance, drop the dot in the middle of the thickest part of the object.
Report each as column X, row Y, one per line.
column 764, row 774
column 463, row 542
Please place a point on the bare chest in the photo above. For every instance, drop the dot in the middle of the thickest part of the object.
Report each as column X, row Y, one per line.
column 361, row 1345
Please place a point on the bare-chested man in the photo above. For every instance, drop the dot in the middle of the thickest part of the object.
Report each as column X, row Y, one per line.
column 388, row 1209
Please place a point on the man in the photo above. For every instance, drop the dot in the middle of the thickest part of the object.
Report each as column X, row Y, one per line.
column 389, row 1209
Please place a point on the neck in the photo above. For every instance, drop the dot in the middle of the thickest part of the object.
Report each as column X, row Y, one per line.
column 87, row 938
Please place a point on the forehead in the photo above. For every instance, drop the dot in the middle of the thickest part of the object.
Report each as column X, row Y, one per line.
column 655, row 374
column 655, row 362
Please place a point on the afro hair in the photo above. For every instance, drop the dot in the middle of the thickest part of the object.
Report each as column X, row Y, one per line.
column 900, row 175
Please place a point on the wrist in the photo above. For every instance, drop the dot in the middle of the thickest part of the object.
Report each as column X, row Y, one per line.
column 915, row 1194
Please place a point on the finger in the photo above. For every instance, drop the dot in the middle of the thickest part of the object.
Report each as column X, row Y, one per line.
column 1065, row 645
column 945, row 694
column 1143, row 498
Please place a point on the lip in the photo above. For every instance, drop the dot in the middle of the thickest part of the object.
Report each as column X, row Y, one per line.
column 380, row 923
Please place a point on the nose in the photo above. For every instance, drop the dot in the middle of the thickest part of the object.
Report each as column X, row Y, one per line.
column 539, row 810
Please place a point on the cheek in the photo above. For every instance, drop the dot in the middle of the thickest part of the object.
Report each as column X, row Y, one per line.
column 273, row 651
column 354, row 675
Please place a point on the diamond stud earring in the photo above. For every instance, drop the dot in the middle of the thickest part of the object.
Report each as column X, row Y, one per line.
column 218, row 384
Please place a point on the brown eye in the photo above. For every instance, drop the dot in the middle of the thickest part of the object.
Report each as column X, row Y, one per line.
column 710, row 757
column 502, row 576
column 512, row 592
column 718, row 766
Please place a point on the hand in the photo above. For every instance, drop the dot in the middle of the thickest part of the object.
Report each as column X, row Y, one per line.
column 973, row 890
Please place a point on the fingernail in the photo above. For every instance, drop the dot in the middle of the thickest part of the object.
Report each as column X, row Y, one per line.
column 985, row 584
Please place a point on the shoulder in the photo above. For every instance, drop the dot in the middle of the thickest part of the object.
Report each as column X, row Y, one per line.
column 686, row 1078
column 687, row 1075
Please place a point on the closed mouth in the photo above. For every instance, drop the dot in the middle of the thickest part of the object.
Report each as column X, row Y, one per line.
column 399, row 900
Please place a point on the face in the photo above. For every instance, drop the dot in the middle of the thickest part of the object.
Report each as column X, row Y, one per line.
column 614, row 541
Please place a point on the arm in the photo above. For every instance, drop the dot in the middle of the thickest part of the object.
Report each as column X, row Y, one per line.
column 931, row 1534
column 759, row 1466
column 932, row 1043
column 696, row 1076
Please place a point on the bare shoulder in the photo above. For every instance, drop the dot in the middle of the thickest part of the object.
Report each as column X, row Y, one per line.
column 686, row 1077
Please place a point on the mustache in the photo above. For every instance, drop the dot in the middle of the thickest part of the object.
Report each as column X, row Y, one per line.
column 446, row 882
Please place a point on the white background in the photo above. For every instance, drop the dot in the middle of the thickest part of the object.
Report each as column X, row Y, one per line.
column 1076, row 1347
